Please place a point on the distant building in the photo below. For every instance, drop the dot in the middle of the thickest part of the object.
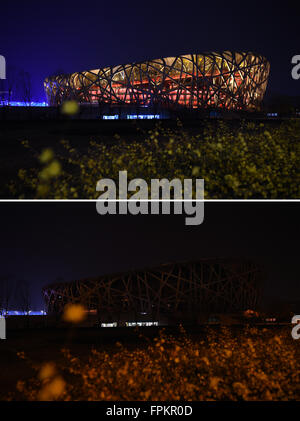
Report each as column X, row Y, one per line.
column 174, row 293
column 225, row 81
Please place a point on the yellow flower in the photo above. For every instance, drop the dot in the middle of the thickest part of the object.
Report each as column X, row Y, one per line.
column 228, row 353
column 74, row 313
column 54, row 168
column 47, row 371
column 46, row 155
column 196, row 171
column 214, row 382
column 52, row 390
column 70, row 108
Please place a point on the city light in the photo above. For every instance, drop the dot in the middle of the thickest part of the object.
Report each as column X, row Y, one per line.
column 22, row 104
column 24, row 313
column 133, row 324
column 110, row 117
column 142, row 116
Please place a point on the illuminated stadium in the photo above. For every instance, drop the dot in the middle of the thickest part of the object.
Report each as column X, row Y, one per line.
column 225, row 81
column 168, row 294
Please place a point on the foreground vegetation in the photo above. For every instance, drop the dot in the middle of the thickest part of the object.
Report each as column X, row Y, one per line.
column 247, row 364
column 248, row 161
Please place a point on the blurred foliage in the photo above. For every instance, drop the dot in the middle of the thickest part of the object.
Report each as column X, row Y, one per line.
column 249, row 162
column 74, row 313
column 227, row 364
column 70, row 108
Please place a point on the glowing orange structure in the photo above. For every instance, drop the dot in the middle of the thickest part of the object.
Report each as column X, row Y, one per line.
column 227, row 80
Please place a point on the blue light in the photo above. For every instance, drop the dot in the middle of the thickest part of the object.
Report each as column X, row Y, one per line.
column 142, row 116
column 24, row 313
column 23, row 104
column 110, row 117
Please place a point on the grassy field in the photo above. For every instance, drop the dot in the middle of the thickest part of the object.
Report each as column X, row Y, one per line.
column 65, row 159
column 151, row 364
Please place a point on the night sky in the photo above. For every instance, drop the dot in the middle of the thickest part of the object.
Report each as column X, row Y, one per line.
column 44, row 37
column 42, row 243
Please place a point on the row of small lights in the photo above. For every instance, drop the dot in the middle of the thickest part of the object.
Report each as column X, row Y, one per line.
column 22, row 313
column 23, row 104
column 130, row 324
column 133, row 117
column 104, row 117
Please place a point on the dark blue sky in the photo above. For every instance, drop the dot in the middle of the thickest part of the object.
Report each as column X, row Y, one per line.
column 43, row 37
column 43, row 242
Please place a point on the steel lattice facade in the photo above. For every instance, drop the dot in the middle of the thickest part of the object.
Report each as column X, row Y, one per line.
column 179, row 291
column 227, row 80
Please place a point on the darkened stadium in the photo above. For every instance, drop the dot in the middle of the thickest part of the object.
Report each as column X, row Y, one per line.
column 169, row 294
column 226, row 80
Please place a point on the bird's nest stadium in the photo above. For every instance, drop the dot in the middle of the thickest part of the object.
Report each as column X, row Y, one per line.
column 225, row 81
column 169, row 294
